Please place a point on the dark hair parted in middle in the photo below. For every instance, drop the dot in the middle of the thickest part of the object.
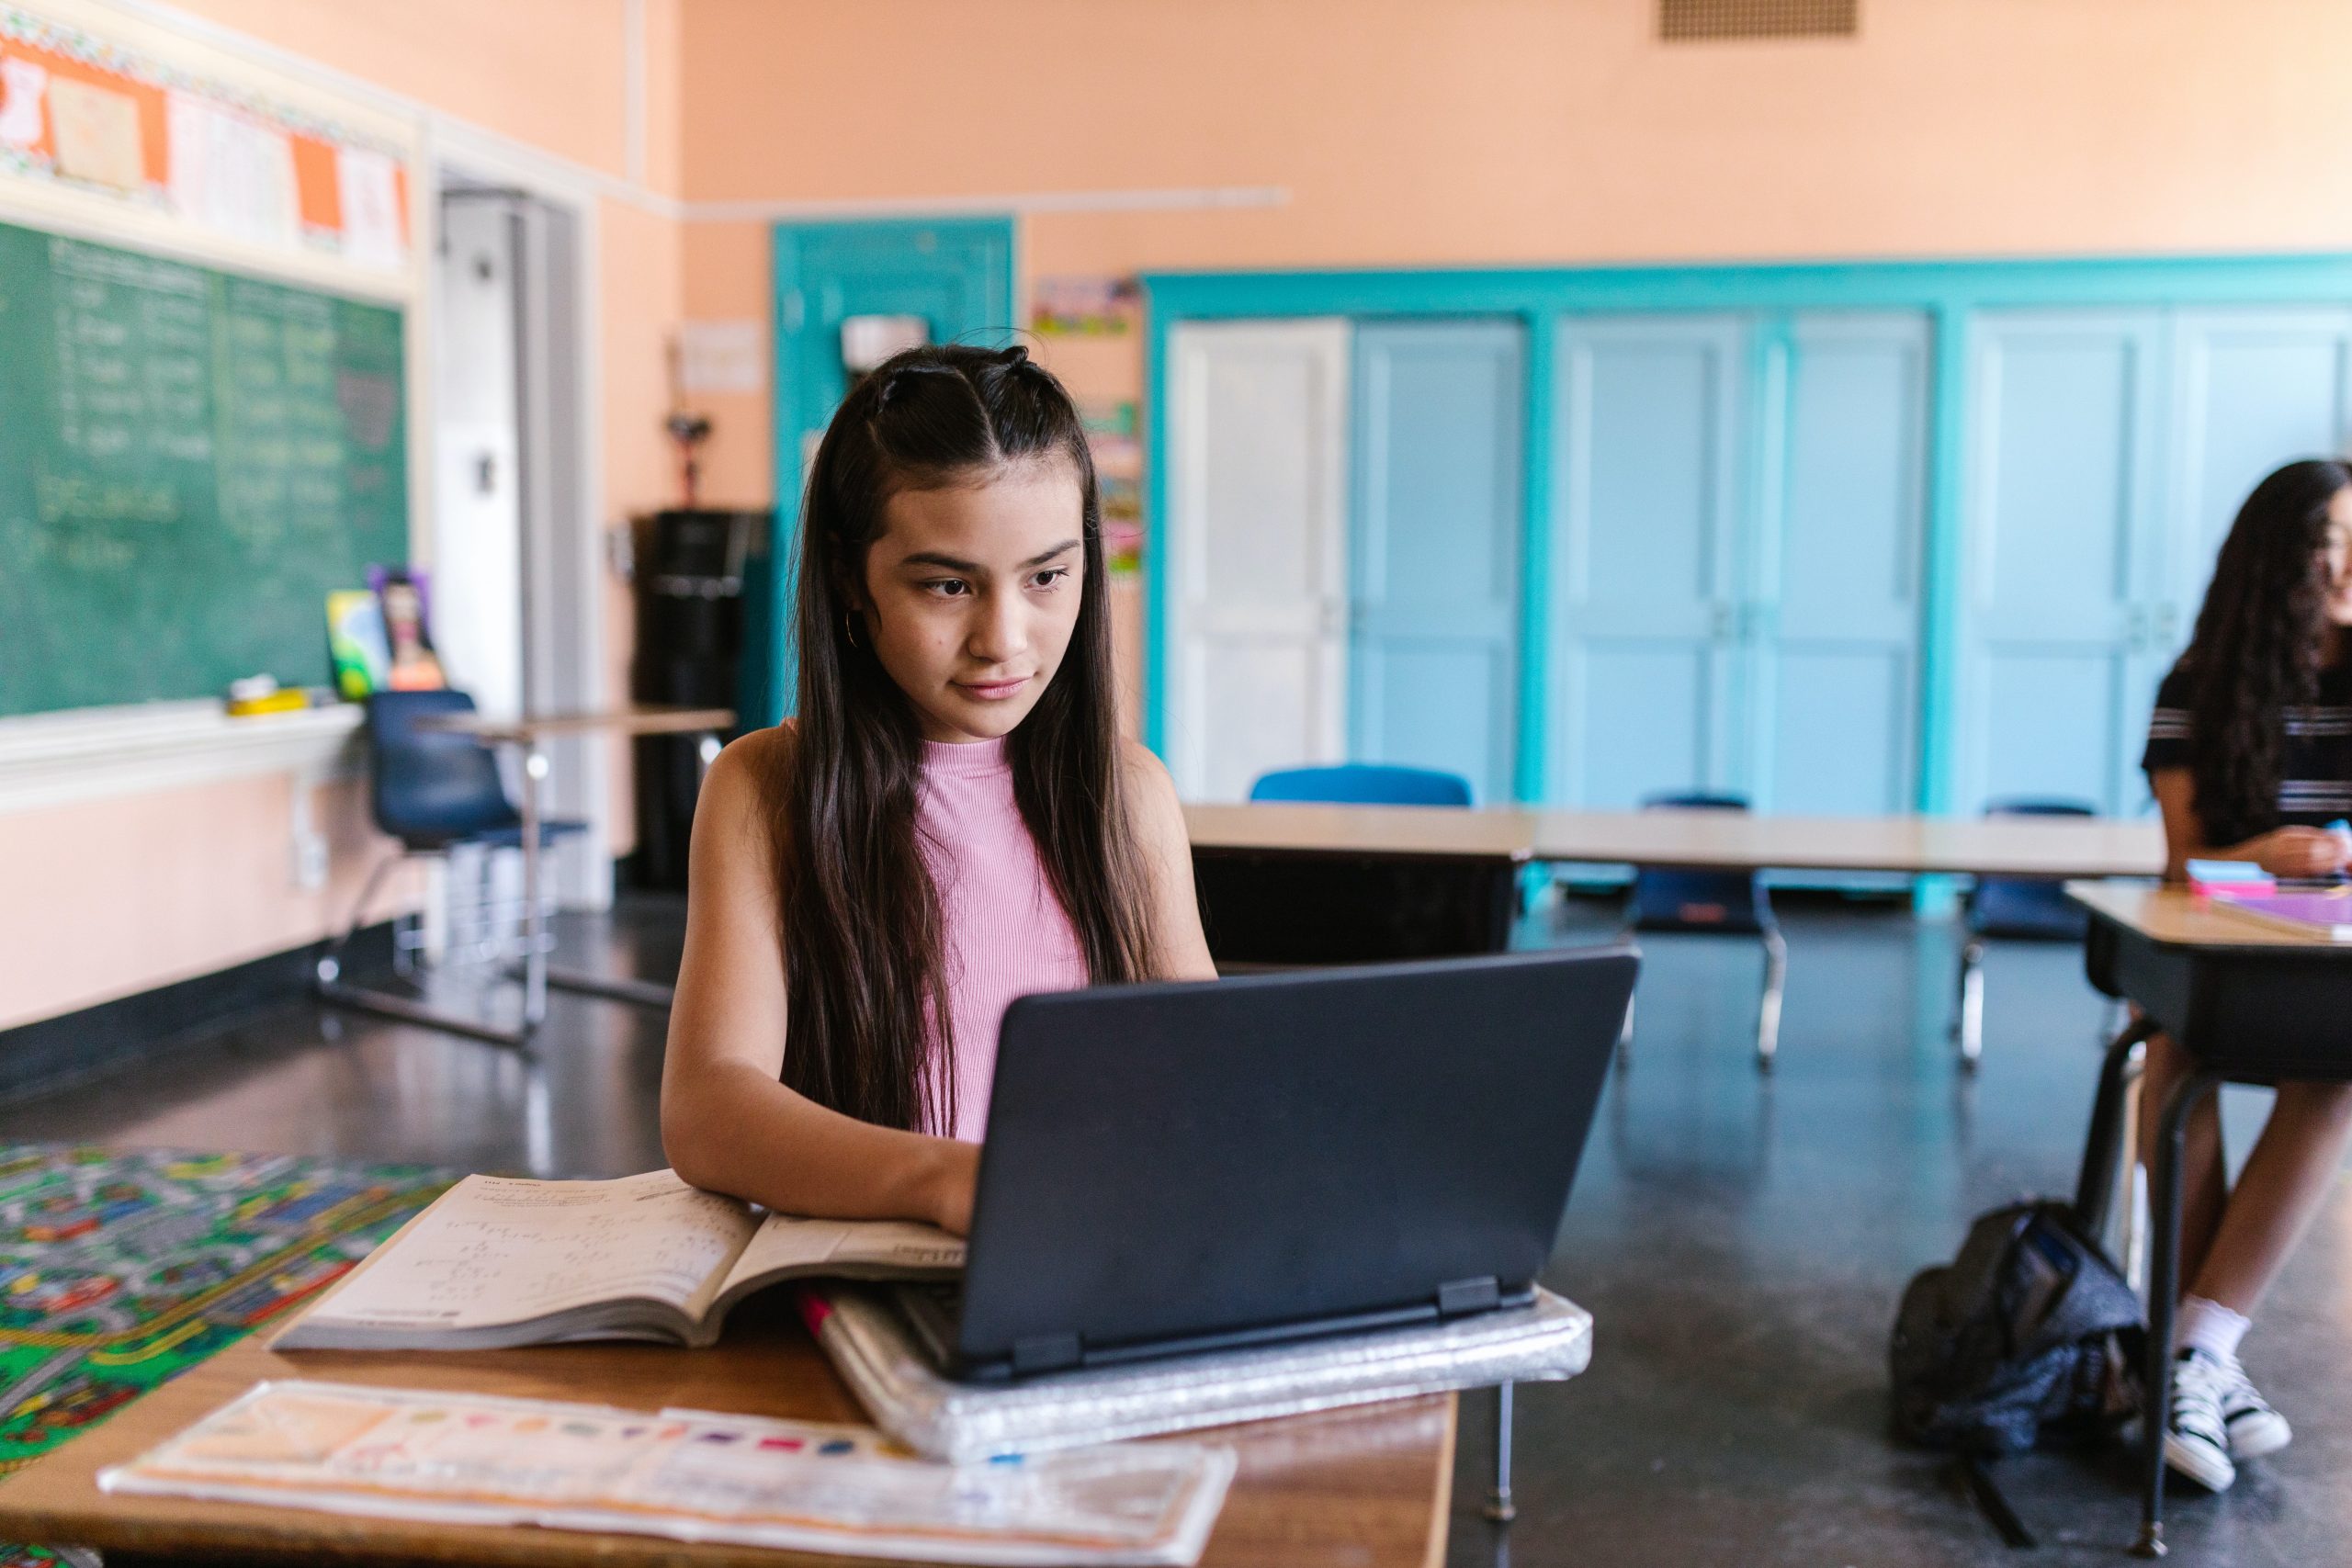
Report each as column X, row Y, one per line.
column 2256, row 650
column 862, row 933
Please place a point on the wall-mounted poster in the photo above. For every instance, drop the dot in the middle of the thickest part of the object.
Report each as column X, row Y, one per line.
column 1118, row 477
column 1085, row 307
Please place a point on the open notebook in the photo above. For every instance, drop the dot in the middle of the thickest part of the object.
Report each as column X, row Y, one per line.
column 499, row 1261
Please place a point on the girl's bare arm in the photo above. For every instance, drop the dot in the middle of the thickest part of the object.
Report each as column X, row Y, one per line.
column 1181, row 947
column 727, row 1123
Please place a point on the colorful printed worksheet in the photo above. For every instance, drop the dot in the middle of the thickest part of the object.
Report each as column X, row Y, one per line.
column 689, row 1475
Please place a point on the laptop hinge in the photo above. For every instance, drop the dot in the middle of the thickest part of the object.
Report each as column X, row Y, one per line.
column 1046, row 1353
column 1458, row 1296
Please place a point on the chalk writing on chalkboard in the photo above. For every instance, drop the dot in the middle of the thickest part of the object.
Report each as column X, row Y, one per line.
column 189, row 461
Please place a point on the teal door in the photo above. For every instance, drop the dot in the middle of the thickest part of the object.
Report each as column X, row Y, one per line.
column 2110, row 454
column 1646, row 592
column 1433, row 644
column 1838, row 533
column 957, row 274
column 2064, row 554
column 2253, row 389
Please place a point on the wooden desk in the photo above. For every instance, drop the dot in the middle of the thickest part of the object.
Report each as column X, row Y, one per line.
column 644, row 718
column 1368, row 1488
column 2248, row 1003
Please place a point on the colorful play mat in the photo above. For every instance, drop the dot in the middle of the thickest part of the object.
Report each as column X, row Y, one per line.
column 119, row 1271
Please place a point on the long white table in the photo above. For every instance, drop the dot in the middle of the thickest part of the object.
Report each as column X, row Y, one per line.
column 2009, row 846
column 1293, row 883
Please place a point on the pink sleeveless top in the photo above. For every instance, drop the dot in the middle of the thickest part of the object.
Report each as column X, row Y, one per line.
column 1004, row 935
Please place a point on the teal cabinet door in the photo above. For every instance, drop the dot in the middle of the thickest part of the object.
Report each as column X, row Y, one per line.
column 957, row 274
column 2252, row 389
column 1833, row 677
column 1644, row 611
column 2064, row 554
column 1434, row 557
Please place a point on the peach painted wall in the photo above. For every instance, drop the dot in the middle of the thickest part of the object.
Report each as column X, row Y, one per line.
column 1474, row 131
column 86, row 882
column 120, row 895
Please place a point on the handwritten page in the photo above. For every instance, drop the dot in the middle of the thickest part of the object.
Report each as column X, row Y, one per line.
column 497, row 1250
column 694, row 1475
column 786, row 1244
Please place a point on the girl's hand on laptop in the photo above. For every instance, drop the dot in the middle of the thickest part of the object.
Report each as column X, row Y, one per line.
column 953, row 1186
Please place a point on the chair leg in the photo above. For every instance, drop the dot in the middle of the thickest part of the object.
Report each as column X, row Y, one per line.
column 330, row 963
column 1768, row 1013
column 1500, row 1506
column 1969, row 1025
column 1625, row 1030
column 331, row 986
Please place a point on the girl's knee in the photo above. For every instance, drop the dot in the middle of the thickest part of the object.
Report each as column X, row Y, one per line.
column 2325, row 1102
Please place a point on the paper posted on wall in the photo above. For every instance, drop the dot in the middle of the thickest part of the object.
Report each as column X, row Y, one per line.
column 687, row 1475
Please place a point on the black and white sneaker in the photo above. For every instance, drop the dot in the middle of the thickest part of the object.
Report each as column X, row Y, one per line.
column 2254, row 1429
column 2197, row 1443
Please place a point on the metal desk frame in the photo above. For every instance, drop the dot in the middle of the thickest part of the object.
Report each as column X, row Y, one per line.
column 2249, row 1005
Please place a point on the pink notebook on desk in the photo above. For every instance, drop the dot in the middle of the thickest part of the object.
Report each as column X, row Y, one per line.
column 2326, row 915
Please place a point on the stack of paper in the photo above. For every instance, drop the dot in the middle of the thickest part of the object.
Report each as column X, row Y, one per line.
column 688, row 1475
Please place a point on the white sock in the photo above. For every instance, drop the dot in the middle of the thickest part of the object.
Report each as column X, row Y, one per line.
column 2208, row 1327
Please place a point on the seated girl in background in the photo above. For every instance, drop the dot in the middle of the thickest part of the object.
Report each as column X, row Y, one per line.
column 952, row 821
column 2250, row 756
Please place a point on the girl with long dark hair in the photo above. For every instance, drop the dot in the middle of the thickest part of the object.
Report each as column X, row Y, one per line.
column 2250, row 756
column 950, row 820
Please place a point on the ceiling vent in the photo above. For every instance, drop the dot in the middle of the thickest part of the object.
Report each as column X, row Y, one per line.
column 1692, row 21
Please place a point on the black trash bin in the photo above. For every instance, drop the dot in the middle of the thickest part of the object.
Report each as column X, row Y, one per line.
column 689, row 651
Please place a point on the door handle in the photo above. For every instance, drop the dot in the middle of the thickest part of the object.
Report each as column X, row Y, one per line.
column 1724, row 621
column 2135, row 625
column 2168, row 624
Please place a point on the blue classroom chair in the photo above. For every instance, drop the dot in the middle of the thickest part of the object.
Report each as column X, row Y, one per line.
column 431, row 791
column 1713, row 903
column 2026, row 907
column 1364, row 784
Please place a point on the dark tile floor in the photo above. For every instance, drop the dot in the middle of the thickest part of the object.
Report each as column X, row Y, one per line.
column 1740, row 1241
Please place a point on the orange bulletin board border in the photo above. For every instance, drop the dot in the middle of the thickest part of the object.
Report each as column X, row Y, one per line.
column 38, row 54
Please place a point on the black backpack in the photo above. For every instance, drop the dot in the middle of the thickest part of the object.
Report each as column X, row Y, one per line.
column 2029, row 1335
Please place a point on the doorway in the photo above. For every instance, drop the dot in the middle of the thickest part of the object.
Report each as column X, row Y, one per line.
column 514, row 583
column 845, row 295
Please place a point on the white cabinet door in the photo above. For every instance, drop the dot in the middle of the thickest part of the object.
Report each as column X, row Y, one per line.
column 1257, row 541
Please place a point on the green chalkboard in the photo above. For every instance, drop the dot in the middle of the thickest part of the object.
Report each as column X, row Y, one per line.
column 189, row 460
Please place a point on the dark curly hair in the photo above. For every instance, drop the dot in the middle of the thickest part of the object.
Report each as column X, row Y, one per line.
column 2256, row 650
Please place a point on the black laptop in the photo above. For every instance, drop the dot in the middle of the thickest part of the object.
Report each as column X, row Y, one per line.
column 1179, row 1168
